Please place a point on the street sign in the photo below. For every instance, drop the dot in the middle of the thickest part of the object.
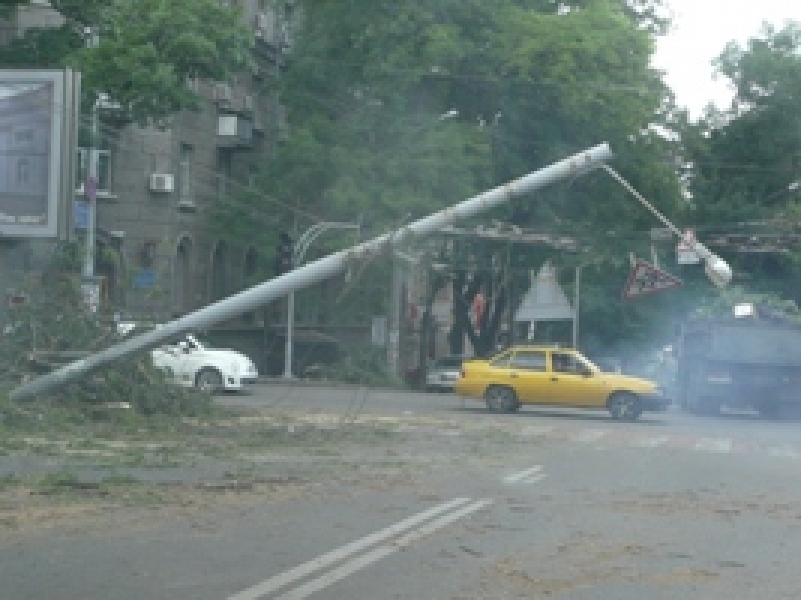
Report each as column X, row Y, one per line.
column 685, row 254
column 647, row 279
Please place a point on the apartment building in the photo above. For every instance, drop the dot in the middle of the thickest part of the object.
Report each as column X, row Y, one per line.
column 158, row 186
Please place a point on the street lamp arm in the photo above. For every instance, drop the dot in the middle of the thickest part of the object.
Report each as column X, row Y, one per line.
column 309, row 233
column 717, row 269
column 307, row 239
column 298, row 253
column 640, row 197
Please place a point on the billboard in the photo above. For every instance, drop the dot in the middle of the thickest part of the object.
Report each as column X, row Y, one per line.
column 38, row 139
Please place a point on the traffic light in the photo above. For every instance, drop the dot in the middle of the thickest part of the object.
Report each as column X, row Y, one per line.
column 283, row 254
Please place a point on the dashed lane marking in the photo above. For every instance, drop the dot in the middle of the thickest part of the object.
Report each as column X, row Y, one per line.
column 786, row 451
column 716, row 445
column 516, row 477
column 534, row 478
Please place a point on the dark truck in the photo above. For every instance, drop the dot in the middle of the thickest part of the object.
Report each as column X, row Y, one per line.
column 748, row 362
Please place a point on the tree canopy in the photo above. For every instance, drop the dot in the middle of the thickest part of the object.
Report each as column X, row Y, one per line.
column 146, row 52
column 397, row 109
column 746, row 161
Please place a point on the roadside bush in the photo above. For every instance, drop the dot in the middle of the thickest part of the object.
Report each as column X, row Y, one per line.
column 360, row 365
column 53, row 326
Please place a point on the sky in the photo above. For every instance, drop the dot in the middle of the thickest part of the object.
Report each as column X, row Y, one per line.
column 701, row 29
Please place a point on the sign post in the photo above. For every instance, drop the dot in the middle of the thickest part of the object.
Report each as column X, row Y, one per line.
column 685, row 249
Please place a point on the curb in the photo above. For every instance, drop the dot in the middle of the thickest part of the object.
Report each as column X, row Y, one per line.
column 316, row 383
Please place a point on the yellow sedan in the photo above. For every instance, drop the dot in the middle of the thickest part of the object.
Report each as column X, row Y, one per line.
column 557, row 377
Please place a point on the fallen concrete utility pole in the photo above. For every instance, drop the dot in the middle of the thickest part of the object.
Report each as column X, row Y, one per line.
column 314, row 272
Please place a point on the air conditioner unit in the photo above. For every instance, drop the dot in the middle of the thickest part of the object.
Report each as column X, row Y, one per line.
column 162, row 183
column 223, row 94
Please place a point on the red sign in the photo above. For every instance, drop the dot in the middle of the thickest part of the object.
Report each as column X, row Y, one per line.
column 647, row 279
column 479, row 306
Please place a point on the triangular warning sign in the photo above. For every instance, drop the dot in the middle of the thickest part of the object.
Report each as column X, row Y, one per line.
column 647, row 279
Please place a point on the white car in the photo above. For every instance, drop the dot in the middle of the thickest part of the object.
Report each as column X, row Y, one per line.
column 194, row 364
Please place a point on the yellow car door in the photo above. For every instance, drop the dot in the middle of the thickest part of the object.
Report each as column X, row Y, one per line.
column 575, row 381
column 528, row 375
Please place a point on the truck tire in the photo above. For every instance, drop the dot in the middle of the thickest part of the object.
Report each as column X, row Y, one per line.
column 770, row 409
column 709, row 406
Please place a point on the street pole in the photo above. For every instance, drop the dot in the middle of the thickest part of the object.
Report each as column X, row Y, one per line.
column 321, row 269
column 576, row 301
column 396, row 286
column 290, row 326
column 393, row 345
column 90, row 185
column 298, row 254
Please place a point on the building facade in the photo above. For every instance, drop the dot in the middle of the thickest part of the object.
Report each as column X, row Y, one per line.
column 158, row 186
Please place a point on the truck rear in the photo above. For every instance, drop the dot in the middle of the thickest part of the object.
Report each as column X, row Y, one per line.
column 744, row 363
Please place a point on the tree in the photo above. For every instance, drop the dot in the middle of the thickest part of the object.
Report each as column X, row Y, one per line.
column 147, row 50
column 368, row 87
column 745, row 160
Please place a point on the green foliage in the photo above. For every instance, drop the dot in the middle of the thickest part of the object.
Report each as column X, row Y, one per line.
column 723, row 304
column 361, row 365
column 745, row 160
column 370, row 90
column 55, row 326
column 147, row 50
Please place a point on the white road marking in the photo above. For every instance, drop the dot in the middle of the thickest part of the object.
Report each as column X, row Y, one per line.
column 535, row 430
column 535, row 478
column 651, row 442
column 717, row 445
column 281, row 580
column 591, row 435
column 785, row 451
column 515, row 477
column 358, row 563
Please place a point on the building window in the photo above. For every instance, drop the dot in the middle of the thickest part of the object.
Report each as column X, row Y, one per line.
column 103, row 170
column 225, row 169
column 23, row 171
column 185, row 172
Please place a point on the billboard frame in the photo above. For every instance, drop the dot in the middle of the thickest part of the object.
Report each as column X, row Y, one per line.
column 64, row 116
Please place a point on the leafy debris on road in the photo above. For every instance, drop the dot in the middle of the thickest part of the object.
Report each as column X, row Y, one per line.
column 53, row 325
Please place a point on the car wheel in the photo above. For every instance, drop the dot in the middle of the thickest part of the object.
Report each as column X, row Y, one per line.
column 501, row 399
column 624, row 406
column 209, row 380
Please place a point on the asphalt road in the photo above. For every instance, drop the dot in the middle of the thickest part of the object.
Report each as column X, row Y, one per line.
column 541, row 504
column 738, row 429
